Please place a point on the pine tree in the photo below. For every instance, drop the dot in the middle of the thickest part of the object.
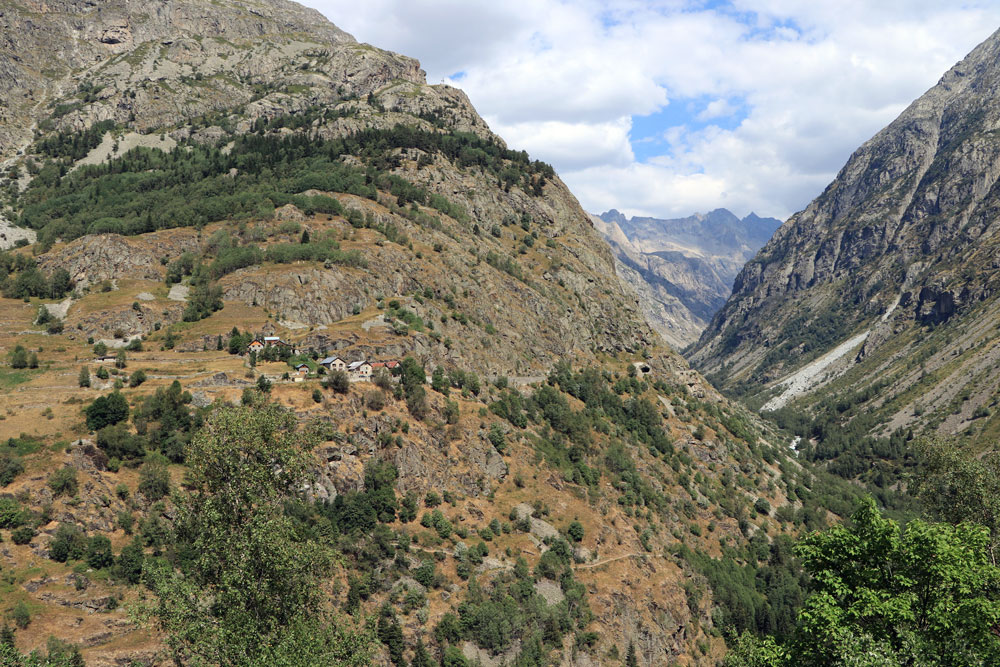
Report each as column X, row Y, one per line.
column 630, row 658
column 84, row 379
column 7, row 636
column 421, row 658
column 391, row 634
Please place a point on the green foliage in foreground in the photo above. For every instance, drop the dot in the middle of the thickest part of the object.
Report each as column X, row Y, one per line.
column 924, row 594
column 231, row 529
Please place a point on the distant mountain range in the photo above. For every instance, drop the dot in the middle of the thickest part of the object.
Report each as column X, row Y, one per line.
column 683, row 269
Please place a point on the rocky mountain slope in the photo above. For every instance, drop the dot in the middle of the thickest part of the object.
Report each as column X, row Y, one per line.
column 683, row 269
column 879, row 300
column 194, row 171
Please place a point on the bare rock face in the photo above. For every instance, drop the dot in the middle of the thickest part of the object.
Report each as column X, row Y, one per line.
column 905, row 233
column 94, row 259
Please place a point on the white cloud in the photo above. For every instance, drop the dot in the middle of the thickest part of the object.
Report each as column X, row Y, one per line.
column 563, row 79
column 575, row 145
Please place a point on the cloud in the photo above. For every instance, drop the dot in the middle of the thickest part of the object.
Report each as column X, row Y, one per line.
column 762, row 100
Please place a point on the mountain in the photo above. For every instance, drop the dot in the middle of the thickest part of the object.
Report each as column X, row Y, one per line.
column 683, row 269
column 540, row 479
column 877, row 305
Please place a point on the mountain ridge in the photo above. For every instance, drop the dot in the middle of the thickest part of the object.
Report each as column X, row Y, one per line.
column 683, row 269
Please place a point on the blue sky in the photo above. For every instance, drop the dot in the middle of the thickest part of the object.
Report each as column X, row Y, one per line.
column 667, row 107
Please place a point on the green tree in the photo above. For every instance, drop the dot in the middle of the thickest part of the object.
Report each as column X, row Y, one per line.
column 63, row 482
column 154, row 479
column 630, row 658
column 956, row 485
column 391, row 634
column 106, row 411
column 338, row 382
column 751, row 651
column 99, row 554
column 137, row 378
column 925, row 594
column 18, row 357
column 421, row 657
column 245, row 464
column 128, row 565
column 84, row 378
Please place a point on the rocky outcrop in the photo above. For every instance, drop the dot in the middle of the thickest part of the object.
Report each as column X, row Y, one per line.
column 94, row 259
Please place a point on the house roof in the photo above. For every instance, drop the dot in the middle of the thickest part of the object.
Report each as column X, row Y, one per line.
column 272, row 338
column 301, row 366
column 354, row 365
column 328, row 360
column 385, row 364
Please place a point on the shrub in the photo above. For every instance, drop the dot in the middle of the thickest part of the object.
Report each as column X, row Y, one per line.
column 375, row 400
column 137, row 378
column 18, row 357
column 762, row 506
column 128, row 566
column 21, row 615
column 99, row 554
column 11, row 513
column 119, row 443
column 22, row 534
column 338, row 382
column 497, row 439
column 575, row 531
column 10, row 468
column 154, row 479
column 63, row 482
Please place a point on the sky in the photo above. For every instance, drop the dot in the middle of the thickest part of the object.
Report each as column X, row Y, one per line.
column 669, row 107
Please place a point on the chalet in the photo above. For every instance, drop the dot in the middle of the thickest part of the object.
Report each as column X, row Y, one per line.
column 276, row 341
column 302, row 370
column 388, row 365
column 359, row 370
column 333, row 364
column 256, row 345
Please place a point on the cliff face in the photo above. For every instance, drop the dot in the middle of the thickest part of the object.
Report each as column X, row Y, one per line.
column 889, row 277
column 683, row 269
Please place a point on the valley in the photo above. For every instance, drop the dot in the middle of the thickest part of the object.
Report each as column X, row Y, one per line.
column 302, row 364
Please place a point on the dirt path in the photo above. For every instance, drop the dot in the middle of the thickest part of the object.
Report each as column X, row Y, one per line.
column 608, row 560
